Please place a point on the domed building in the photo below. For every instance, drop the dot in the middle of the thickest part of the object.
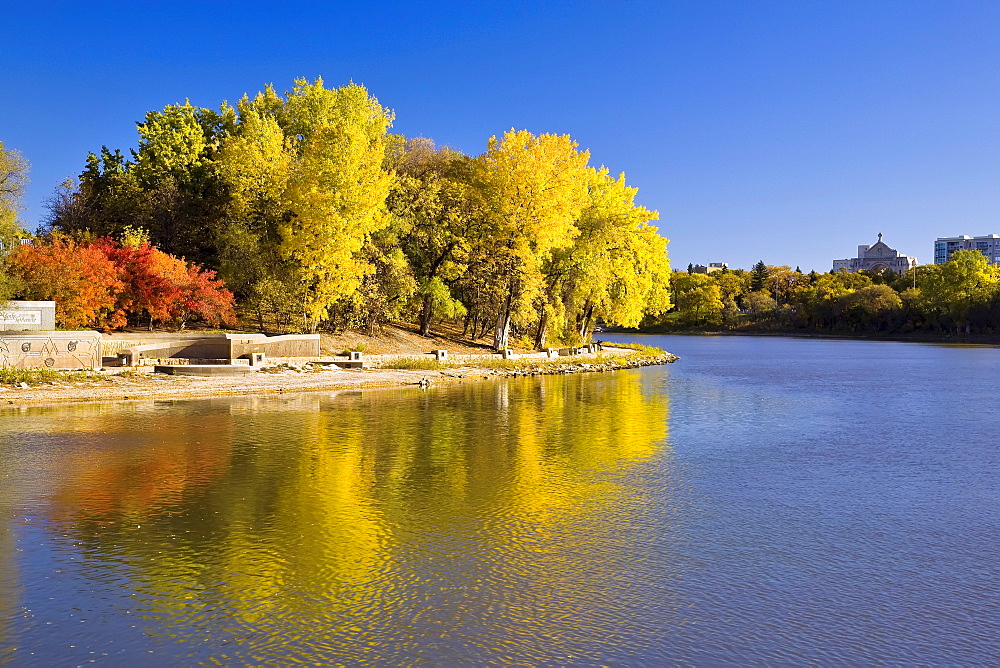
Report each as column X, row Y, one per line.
column 877, row 258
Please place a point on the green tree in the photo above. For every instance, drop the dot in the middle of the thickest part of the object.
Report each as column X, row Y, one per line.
column 170, row 188
column 758, row 274
column 13, row 180
column 759, row 304
column 105, row 200
column 732, row 286
column 176, row 167
column 874, row 307
column 820, row 305
column 950, row 291
column 699, row 299
column 438, row 215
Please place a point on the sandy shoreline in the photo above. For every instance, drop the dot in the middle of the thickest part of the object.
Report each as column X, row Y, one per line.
column 132, row 386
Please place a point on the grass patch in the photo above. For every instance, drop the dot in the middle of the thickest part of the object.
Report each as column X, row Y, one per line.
column 521, row 364
column 14, row 376
column 413, row 363
column 641, row 347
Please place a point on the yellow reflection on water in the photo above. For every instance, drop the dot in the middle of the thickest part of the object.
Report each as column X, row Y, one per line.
column 307, row 522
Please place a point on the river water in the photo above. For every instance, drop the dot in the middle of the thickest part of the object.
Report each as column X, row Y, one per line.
column 761, row 501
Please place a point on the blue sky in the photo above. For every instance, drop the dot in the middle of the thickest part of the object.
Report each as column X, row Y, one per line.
column 784, row 131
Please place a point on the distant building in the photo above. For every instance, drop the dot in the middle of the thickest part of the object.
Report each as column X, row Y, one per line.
column 24, row 242
column 988, row 245
column 711, row 268
column 876, row 258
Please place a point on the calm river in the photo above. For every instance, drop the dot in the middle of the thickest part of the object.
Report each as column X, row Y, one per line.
column 761, row 501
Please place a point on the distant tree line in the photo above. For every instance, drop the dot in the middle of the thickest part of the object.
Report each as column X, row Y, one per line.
column 314, row 215
column 962, row 295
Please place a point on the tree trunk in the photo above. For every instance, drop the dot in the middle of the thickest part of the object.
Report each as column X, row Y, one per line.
column 588, row 315
column 543, row 326
column 426, row 314
column 501, row 336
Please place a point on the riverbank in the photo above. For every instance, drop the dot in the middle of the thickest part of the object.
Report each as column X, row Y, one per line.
column 119, row 385
column 910, row 337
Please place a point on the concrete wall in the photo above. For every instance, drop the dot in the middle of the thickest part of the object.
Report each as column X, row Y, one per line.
column 289, row 345
column 215, row 349
column 224, row 347
column 55, row 350
column 115, row 342
column 19, row 316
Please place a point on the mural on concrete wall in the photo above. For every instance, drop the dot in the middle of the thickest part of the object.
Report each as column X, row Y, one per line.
column 55, row 350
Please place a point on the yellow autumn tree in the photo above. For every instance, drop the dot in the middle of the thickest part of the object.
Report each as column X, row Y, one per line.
column 336, row 189
column 534, row 188
column 13, row 180
column 255, row 164
column 616, row 269
column 307, row 190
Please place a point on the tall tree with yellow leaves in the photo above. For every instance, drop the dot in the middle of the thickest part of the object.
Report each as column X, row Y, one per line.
column 533, row 189
column 616, row 269
column 13, row 179
column 336, row 189
column 308, row 189
column 255, row 163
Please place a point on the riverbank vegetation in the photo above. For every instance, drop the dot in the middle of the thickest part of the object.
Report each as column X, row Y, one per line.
column 38, row 376
column 960, row 296
column 315, row 217
column 630, row 356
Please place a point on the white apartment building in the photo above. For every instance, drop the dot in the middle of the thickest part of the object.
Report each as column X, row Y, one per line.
column 988, row 245
column 876, row 258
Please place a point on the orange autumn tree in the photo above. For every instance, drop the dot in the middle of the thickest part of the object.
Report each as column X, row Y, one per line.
column 81, row 280
column 106, row 284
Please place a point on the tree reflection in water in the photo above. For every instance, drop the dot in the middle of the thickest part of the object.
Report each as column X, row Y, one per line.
column 483, row 521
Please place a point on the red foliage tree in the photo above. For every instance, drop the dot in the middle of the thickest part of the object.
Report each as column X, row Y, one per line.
column 162, row 287
column 205, row 297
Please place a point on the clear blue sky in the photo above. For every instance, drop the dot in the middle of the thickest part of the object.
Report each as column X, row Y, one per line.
column 784, row 131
